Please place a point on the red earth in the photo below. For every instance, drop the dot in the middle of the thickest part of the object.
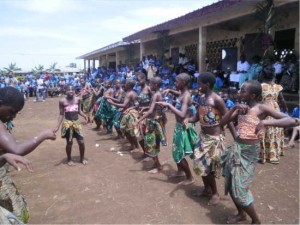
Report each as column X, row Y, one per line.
column 115, row 188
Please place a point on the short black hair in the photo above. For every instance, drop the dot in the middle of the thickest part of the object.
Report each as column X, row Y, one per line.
column 207, row 77
column 141, row 75
column 11, row 96
column 131, row 83
column 255, row 88
column 268, row 72
column 184, row 77
column 156, row 80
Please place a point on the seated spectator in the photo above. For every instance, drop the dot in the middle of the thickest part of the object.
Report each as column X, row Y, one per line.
column 191, row 67
column 165, row 82
column 296, row 130
column 229, row 104
column 219, row 83
column 170, row 98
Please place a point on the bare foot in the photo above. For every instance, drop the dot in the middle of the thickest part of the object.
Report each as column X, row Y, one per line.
column 214, row 200
column 236, row 219
column 177, row 174
column 187, row 181
column 147, row 159
column 155, row 171
column 134, row 150
column 84, row 162
column 291, row 145
column 71, row 163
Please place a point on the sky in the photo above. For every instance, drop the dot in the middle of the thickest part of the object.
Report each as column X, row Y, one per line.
column 43, row 32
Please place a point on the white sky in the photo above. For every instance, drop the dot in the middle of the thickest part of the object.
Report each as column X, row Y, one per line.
column 34, row 32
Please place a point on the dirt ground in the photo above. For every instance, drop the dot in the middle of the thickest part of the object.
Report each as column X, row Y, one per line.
column 116, row 189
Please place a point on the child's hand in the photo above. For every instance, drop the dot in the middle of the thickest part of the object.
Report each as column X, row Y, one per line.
column 55, row 130
column 165, row 104
column 49, row 134
column 243, row 108
column 13, row 160
column 260, row 127
column 165, row 92
column 185, row 123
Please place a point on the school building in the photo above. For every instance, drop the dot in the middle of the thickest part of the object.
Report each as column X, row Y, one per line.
column 218, row 33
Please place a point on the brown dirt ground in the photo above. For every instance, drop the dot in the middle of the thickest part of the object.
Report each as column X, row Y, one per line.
column 115, row 189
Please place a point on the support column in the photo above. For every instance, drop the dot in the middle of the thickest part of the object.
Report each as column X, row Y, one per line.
column 202, row 49
column 89, row 64
column 106, row 61
column 84, row 65
column 99, row 61
column 117, row 60
column 93, row 64
column 142, row 50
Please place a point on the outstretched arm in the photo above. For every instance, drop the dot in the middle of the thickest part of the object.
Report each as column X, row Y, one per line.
column 180, row 113
column 9, row 145
column 150, row 110
column 283, row 122
column 232, row 113
column 177, row 93
column 220, row 105
column 120, row 105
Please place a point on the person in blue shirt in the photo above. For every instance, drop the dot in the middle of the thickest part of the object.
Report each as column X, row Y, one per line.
column 296, row 130
column 165, row 81
column 229, row 104
column 219, row 83
column 2, row 83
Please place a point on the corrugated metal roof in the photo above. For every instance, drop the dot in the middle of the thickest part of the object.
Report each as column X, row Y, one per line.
column 183, row 19
column 108, row 47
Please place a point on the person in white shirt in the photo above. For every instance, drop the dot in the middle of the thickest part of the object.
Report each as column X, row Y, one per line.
column 278, row 70
column 242, row 68
column 40, row 89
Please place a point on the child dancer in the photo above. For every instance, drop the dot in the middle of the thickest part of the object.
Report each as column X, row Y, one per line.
column 210, row 145
column 130, row 114
column 154, row 130
column 183, row 139
column 239, row 161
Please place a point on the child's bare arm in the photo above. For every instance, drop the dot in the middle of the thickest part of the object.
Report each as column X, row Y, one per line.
column 283, row 122
column 220, row 105
column 150, row 110
column 230, row 115
column 181, row 113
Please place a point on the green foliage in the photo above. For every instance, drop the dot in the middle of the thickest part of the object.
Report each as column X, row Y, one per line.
column 52, row 68
column 12, row 68
column 268, row 18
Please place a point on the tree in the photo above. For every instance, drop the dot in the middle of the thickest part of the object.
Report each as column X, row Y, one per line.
column 12, row 68
column 268, row 18
column 52, row 68
column 38, row 69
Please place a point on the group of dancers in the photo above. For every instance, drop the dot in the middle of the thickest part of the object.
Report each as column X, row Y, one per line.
column 142, row 120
